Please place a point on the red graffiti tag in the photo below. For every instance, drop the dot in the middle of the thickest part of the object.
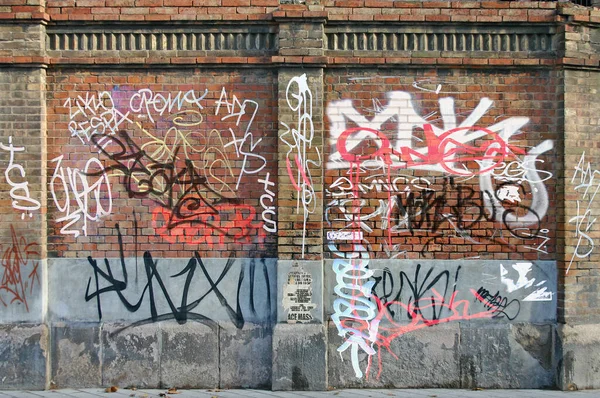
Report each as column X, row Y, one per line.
column 14, row 261
column 443, row 150
column 217, row 225
column 455, row 310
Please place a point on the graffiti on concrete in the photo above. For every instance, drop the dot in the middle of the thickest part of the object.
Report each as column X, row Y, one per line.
column 525, row 282
column 354, row 313
column 161, row 301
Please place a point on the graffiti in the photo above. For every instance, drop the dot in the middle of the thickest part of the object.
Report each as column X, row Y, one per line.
column 186, row 170
column 237, row 109
column 354, row 313
column 540, row 292
column 414, row 290
column 510, row 191
column 452, row 208
column 519, row 171
column 94, row 114
column 539, row 195
column 93, row 200
column 301, row 155
column 445, row 146
column 20, row 266
column 19, row 191
column 342, row 186
column 588, row 186
column 297, row 296
column 178, row 187
column 344, row 235
column 427, row 298
column 247, row 144
column 268, row 210
column 105, row 280
column 210, row 226
column 497, row 304
column 145, row 176
column 453, row 310
column 145, row 102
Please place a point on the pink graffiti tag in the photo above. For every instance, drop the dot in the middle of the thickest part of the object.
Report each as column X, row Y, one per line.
column 457, row 310
column 442, row 150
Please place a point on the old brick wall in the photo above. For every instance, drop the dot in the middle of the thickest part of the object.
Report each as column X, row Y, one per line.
column 340, row 193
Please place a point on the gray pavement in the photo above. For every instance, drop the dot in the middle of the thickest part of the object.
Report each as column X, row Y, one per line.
column 355, row 393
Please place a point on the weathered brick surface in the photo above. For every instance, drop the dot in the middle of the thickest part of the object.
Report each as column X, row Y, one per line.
column 301, row 159
column 443, row 215
column 22, row 179
column 579, row 300
column 176, row 160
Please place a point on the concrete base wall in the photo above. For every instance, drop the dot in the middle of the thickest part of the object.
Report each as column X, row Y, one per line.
column 578, row 357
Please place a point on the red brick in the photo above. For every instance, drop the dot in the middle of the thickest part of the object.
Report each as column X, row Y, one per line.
column 235, row 3
column 265, row 3
column 178, row 3
column 500, row 61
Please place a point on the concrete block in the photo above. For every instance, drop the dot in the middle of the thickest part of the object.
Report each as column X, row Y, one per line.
column 23, row 352
column 299, row 357
column 426, row 357
column 131, row 356
column 578, row 363
column 299, row 291
column 251, row 283
column 496, row 281
column 75, row 359
column 245, row 356
column 189, row 356
column 505, row 356
column 24, row 300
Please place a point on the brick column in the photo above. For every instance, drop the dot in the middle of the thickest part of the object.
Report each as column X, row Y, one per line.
column 578, row 348
column 23, row 196
column 299, row 340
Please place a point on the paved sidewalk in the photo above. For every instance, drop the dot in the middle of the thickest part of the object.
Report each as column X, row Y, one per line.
column 362, row 393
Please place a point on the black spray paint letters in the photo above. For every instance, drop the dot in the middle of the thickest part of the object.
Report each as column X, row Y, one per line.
column 176, row 188
column 415, row 290
column 183, row 312
column 460, row 205
column 497, row 303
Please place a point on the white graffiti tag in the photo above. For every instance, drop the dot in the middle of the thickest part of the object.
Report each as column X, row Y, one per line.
column 523, row 282
column 246, row 145
column 447, row 149
column 94, row 114
column 588, row 185
column 268, row 210
column 19, row 191
column 353, row 311
column 93, row 199
column 298, row 138
column 145, row 102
